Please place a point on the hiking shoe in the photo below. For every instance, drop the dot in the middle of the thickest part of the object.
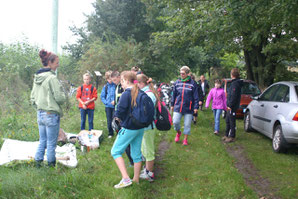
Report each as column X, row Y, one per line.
column 229, row 140
column 185, row 143
column 177, row 138
column 147, row 175
column 123, row 183
column 224, row 138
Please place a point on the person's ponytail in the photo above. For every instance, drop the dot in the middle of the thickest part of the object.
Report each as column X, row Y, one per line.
column 134, row 95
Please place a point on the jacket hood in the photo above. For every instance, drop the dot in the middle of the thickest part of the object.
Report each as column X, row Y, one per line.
column 42, row 75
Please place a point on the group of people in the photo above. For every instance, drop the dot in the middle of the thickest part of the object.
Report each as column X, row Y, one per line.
column 119, row 96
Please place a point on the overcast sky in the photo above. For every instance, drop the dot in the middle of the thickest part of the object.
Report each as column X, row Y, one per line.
column 32, row 19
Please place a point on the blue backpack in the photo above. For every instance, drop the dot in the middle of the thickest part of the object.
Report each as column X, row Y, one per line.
column 142, row 115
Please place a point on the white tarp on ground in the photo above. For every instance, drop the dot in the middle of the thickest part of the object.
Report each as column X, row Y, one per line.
column 22, row 150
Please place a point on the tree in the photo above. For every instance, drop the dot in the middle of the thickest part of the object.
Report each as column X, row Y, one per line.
column 125, row 18
column 118, row 55
column 266, row 31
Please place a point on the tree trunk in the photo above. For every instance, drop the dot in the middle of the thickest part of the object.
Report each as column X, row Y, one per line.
column 249, row 70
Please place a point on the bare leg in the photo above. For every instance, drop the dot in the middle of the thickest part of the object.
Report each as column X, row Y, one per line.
column 121, row 166
column 137, row 169
column 150, row 165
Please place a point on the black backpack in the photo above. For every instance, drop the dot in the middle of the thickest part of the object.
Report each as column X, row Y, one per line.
column 163, row 120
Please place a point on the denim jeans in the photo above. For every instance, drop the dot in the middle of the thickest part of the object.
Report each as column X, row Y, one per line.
column 217, row 114
column 48, row 125
column 90, row 113
column 187, row 122
column 110, row 115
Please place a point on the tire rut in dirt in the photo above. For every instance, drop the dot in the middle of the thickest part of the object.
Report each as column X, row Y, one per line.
column 162, row 149
column 250, row 174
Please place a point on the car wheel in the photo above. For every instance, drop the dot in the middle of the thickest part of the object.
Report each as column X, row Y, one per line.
column 278, row 142
column 247, row 122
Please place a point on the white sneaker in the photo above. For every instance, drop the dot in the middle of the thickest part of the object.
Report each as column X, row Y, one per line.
column 110, row 136
column 143, row 171
column 123, row 183
column 147, row 176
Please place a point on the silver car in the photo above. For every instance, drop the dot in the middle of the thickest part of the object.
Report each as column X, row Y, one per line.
column 274, row 113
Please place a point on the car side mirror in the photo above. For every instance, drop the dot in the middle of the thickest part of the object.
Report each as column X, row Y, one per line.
column 255, row 97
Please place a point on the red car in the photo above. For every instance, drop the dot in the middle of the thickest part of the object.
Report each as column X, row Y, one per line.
column 249, row 89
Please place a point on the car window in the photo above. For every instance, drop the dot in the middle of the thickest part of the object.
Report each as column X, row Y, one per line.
column 266, row 96
column 296, row 89
column 249, row 88
column 282, row 94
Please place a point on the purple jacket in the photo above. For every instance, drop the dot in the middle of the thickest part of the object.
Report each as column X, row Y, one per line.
column 218, row 99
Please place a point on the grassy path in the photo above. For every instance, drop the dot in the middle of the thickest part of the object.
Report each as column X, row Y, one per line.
column 204, row 169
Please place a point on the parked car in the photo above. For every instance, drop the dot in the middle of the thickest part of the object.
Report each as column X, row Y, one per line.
column 249, row 89
column 275, row 114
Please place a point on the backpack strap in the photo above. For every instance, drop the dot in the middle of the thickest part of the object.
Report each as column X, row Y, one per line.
column 92, row 88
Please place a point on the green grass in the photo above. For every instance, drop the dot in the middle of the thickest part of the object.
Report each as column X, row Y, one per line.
column 279, row 168
column 201, row 170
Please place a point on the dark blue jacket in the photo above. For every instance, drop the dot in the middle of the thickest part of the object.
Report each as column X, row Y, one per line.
column 123, row 110
column 234, row 94
column 185, row 96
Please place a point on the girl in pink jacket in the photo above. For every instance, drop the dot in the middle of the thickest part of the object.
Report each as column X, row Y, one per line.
column 218, row 97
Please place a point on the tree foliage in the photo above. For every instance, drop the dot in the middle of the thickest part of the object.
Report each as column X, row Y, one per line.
column 266, row 31
column 205, row 35
column 124, row 18
column 118, row 55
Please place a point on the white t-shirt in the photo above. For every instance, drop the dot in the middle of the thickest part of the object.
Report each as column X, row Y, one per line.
column 202, row 85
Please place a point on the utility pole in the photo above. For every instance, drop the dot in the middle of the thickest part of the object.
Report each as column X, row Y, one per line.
column 55, row 27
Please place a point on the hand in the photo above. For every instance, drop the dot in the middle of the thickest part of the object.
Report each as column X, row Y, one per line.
column 195, row 111
column 200, row 102
column 228, row 108
column 172, row 108
column 113, row 102
column 84, row 106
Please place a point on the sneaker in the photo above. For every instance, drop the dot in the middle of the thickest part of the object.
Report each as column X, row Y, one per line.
column 229, row 140
column 177, row 138
column 194, row 122
column 143, row 170
column 147, row 175
column 110, row 136
column 123, row 183
column 215, row 132
column 185, row 143
column 224, row 138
